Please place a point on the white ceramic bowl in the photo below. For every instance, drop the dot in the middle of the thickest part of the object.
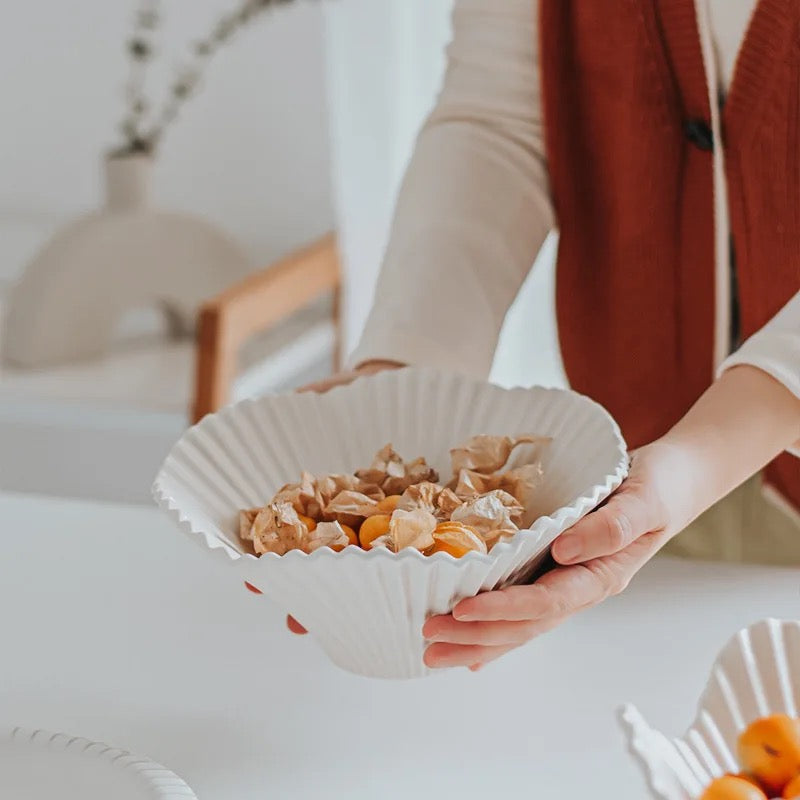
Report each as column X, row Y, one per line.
column 756, row 674
column 38, row 765
column 367, row 609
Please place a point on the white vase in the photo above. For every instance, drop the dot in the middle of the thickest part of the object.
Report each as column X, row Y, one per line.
column 125, row 257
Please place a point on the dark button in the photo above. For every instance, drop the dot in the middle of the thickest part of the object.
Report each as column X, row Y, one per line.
column 699, row 133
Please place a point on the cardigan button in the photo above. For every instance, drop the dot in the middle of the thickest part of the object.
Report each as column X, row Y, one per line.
column 699, row 134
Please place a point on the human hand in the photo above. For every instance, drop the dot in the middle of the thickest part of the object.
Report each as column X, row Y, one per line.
column 739, row 425
column 348, row 376
column 597, row 559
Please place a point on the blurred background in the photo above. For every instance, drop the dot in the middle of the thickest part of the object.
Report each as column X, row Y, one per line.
column 146, row 279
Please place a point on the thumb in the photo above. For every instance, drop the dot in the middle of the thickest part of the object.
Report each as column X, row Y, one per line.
column 609, row 529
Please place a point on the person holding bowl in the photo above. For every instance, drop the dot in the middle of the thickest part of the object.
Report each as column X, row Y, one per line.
column 662, row 139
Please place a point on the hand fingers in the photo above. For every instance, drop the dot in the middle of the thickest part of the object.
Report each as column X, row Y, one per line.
column 291, row 623
column 487, row 634
column 294, row 626
column 555, row 595
column 585, row 585
column 499, row 653
column 440, row 656
column 473, row 636
column 320, row 387
column 615, row 572
column 540, row 629
column 476, row 656
column 447, row 629
column 343, row 378
column 610, row 529
column 515, row 604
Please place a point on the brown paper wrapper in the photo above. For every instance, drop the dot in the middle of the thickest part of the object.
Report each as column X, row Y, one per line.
column 327, row 534
column 488, row 455
column 278, row 529
column 496, row 510
column 393, row 475
column 430, row 497
column 495, row 479
column 409, row 529
column 350, row 508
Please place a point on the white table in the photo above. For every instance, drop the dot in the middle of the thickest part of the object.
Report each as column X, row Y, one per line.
column 118, row 628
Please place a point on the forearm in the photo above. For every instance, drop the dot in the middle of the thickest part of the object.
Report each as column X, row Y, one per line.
column 743, row 421
column 775, row 349
column 466, row 232
column 474, row 207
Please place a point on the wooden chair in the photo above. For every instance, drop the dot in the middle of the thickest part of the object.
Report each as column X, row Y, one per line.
column 254, row 305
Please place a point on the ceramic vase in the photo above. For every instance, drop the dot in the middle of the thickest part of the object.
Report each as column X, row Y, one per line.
column 126, row 256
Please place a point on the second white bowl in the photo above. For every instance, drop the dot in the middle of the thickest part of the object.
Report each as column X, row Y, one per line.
column 757, row 674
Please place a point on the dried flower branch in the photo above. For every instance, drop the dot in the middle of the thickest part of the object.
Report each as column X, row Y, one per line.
column 139, row 136
column 141, row 49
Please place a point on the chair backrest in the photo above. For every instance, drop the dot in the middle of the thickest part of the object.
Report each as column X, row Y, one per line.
column 259, row 302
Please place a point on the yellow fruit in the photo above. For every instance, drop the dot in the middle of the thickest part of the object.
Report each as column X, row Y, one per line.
column 388, row 504
column 769, row 750
column 310, row 523
column 749, row 778
column 351, row 535
column 372, row 528
column 457, row 539
column 732, row 787
column 792, row 789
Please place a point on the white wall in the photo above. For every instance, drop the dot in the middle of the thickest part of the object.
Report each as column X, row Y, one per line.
column 250, row 152
column 381, row 86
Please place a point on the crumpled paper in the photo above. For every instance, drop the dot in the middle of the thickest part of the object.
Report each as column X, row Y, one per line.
column 458, row 539
column 490, row 454
column 495, row 537
column 409, row 529
column 277, row 529
column 351, row 508
column 497, row 510
column 311, row 495
column 301, row 495
column 519, row 473
column 327, row 534
column 393, row 475
column 247, row 516
column 494, row 481
column 431, row 497
column 519, row 482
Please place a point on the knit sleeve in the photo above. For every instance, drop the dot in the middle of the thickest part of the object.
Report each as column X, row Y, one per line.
column 775, row 349
column 474, row 207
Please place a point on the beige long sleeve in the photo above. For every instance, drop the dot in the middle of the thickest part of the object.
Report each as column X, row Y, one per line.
column 474, row 207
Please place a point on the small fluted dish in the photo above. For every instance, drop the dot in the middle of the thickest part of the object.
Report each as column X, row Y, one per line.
column 39, row 765
column 757, row 674
column 367, row 608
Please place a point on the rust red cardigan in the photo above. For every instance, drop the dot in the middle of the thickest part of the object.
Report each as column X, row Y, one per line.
column 627, row 120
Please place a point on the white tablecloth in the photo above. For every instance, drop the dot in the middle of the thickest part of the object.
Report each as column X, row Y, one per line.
column 116, row 627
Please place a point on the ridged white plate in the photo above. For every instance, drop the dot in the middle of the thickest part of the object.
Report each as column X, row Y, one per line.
column 755, row 675
column 367, row 608
column 38, row 765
